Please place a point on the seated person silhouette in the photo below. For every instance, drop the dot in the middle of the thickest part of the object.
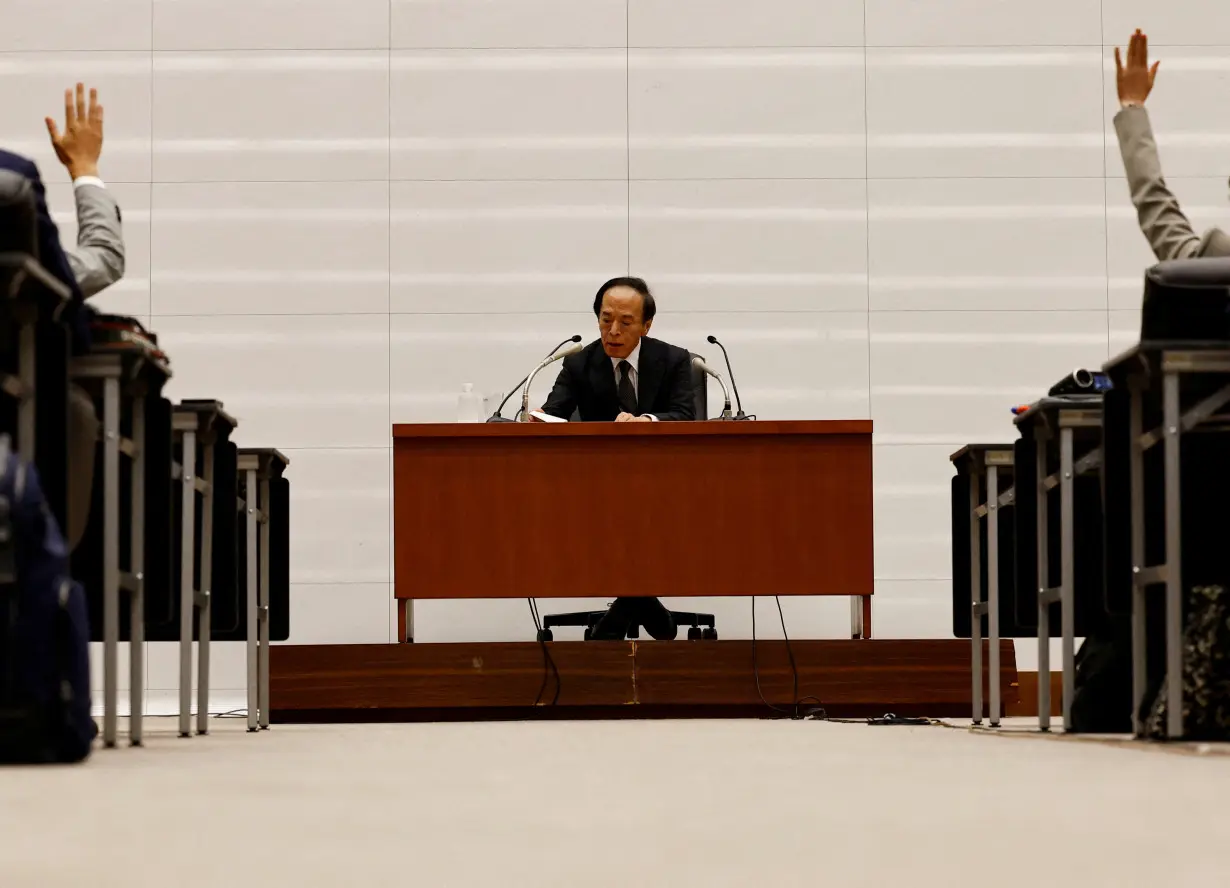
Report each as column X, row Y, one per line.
column 626, row 376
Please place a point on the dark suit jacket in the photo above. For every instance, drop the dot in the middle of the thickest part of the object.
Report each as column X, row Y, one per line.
column 50, row 252
column 586, row 383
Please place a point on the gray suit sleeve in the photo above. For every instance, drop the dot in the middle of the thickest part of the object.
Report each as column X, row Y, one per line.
column 98, row 259
column 1162, row 220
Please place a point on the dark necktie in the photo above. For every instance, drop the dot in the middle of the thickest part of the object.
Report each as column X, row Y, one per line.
column 627, row 391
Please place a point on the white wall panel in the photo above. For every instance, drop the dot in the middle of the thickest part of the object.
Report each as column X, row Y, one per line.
column 271, row 248
column 912, row 508
column 751, row 245
column 727, row 23
column 509, row 114
column 74, row 25
column 1177, row 22
column 518, row 248
column 986, row 23
column 270, row 24
column 986, row 244
column 271, row 116
column 949, row 378
column 738, row 113
column 524, row 24
column 298, row 381
column 1002, row 112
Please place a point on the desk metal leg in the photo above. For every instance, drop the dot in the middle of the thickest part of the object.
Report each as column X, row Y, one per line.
column 406, row 620
column 993, row 587
column 205, row 615
column 856, row 617
column 1067, row 588
column 1139, row 589
column 975, row 582
column 187, row 591
column 250, row 590
column 111, row 559
column 136, row 558
column 1044, row 612
column 263, row 590
column 1174, row 559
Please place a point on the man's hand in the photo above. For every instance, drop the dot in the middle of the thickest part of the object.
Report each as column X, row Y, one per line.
column 1135, row 79
column 628, row 417
column 80, row 144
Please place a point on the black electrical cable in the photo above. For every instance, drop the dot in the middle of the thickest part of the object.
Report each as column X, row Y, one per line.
column 796, row 711
column 548, row 662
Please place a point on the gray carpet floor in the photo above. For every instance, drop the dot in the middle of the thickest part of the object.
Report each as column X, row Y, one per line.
column 680, row 803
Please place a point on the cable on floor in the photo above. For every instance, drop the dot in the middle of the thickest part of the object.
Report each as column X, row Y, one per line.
column 548, row 662
column 797, row 711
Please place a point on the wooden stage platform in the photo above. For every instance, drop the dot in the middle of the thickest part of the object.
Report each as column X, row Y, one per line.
column 681, row 679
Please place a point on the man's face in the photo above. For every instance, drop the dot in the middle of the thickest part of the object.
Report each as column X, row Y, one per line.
column 620, row 321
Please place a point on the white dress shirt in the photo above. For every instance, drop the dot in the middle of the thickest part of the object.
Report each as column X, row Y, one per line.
column 634, row 374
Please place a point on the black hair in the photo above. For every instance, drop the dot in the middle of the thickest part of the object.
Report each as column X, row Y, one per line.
column 648, row 307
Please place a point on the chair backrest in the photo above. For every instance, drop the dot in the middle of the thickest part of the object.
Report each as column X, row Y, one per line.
column 701, row 387
column 1187, row 299
column 18, row 216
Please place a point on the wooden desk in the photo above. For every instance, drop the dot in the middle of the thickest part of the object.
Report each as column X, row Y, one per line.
column 513, row 510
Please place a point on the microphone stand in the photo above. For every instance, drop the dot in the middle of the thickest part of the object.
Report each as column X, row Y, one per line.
column 529, row 380
column 731, row 373
column 707, row 370
column 726, row 395
column 498, row 415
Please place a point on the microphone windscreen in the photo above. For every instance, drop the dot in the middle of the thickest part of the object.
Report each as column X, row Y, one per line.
column 576, row 337
column 712, row 339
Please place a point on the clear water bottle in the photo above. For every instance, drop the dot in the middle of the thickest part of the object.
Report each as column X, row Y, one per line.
column 469, row 404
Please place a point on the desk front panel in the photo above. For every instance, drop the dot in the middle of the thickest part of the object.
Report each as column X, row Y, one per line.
column 655, row 512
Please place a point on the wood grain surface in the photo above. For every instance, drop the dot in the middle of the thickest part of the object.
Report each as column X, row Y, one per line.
column 511, row 510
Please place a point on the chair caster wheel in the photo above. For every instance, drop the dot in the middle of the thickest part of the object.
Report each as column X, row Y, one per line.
column 694, row 633
column 709, row 635
column 545, row 635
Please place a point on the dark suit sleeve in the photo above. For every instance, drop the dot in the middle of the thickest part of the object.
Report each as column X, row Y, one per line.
column 51, row 253
column 682, row 393
column 563, row 398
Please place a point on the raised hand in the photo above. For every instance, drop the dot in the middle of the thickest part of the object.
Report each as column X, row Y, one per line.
column 80, row 145
column 1135, row 79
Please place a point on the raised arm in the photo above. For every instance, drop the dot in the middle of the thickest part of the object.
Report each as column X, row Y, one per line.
column 97, row 261
column 1162, row 220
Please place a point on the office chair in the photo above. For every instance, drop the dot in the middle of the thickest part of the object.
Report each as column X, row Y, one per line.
column 700, row 626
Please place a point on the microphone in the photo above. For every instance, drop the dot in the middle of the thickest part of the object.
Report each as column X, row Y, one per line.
column 497, row 416
column 1081, row 382
column 699, row 363
column 550, row 359
column 713, row 340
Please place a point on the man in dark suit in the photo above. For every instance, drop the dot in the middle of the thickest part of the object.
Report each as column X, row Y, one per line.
column 626, row 376
column 51, row 253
